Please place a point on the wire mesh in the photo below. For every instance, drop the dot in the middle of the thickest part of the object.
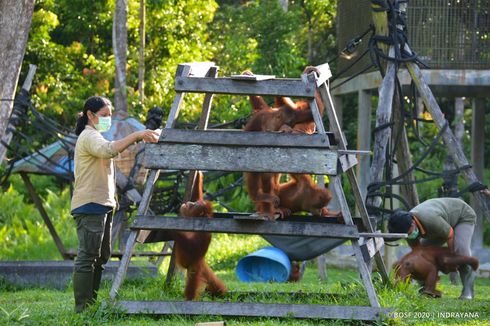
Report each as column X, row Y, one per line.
column 450, row 34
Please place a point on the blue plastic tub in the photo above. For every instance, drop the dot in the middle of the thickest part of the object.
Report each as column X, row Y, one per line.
column 268, row 264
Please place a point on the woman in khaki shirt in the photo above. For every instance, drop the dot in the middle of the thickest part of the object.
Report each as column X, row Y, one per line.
column 94, row 194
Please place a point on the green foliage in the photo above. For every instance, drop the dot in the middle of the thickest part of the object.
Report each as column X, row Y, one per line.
column 24, row 234
column 70, row 42
column 177, row 32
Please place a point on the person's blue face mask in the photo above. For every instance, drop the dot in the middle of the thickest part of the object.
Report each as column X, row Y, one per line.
column 414, row 234
column 104, row 124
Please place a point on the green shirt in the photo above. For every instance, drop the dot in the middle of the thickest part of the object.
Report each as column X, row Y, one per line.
column 439, row 215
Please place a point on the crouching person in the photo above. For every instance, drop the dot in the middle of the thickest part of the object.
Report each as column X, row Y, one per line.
column 94, row 195
column 436, row 222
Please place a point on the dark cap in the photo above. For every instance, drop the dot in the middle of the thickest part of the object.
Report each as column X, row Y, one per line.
column 400, row 221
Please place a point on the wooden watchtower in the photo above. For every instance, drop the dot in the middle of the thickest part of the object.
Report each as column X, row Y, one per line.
column 230, row 150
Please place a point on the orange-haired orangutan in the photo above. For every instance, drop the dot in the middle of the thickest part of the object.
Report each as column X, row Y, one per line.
column 191, row 247
column 263, row 187
column 424, row 262
column 302, row 194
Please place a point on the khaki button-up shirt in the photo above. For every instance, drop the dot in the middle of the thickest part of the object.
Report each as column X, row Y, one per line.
column 94, row 170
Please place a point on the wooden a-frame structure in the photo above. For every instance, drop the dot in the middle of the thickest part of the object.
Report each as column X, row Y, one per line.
column 239, row 151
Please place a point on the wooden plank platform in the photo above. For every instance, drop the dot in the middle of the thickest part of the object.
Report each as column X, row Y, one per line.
column 303, row 311
column 226, row 225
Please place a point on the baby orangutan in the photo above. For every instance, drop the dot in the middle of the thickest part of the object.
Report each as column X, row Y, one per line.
column 302, row 194
column 424, row 262
column 191, row 247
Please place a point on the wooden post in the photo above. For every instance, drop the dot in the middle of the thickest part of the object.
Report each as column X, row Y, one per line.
column 381, row 137
column 342, row 145
column 363, row 139
column 339, row 109
column 451, row 142
column 403, row 156
column 478, row 163
column 380, row 21
column 126, row 258
column 39, row 205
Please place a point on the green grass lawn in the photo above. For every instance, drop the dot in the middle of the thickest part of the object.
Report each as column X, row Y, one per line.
column 36, row 306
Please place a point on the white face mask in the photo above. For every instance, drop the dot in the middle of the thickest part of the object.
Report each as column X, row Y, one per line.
column 104, row 124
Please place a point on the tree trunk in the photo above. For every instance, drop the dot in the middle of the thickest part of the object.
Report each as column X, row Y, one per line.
column 141, row 64
column 120, row 46
column 15, row 22
column 284, row 4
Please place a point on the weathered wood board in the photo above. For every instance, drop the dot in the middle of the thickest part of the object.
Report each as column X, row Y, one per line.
column 228, row 225
column 274, row 87
column 248, row 159
column 246, row 138
column 252, row 309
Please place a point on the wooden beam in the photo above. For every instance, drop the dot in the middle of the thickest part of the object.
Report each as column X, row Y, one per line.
column 347, row 161
column 381, row 137
column 452, row 145
column 392, row 236
column 251, row 159
column 371, row 247
column 227, row 225
column 443, row 82
column 39, row 205
column 363, row 139
column 342, row 145
column 408, row 190
column 293, row 87
column 380, row 21
column 244, row 138
column 133, row 236
column 478, row 162
column 303, row 311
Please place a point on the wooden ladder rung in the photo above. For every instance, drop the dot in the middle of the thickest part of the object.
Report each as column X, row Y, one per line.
column 252, row 309
column 293, row 87
column 237, row 137
column 227, row 225
column 119, row 254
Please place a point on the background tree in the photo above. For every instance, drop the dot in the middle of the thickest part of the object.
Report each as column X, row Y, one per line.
column 15, row 21
column 141, row 61
column 120, row 46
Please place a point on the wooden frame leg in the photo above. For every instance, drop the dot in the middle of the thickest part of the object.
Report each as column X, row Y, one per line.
column 128, row 251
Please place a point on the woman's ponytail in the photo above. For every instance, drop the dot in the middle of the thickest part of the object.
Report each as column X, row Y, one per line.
column 82, row 121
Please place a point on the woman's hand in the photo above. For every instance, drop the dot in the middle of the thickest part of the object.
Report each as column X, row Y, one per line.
column 150, row 136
